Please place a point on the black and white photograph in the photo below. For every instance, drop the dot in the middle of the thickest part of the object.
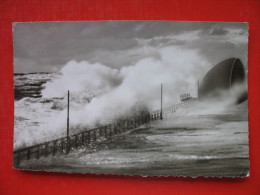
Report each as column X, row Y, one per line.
column 149, row 98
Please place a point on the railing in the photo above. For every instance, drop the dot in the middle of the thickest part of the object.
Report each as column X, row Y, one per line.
column 185, row 96
column 66, row 144
column 172, row 109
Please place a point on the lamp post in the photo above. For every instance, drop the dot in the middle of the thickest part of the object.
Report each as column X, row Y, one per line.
column 161, row 115
column 68, row 122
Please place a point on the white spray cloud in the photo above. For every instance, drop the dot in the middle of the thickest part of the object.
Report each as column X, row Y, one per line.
column 82, row 77
column 117, row 92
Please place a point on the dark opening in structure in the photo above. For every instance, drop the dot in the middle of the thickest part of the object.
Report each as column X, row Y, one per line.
column 221, row 77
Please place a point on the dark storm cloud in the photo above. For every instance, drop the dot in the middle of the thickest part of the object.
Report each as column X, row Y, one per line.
column 47, row 46
column 219, row 31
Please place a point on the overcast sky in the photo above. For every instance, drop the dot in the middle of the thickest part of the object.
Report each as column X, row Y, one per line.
column 48, row 46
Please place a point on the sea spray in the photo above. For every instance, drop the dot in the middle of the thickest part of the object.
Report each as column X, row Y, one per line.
column 117, row 91
column 82, row 77
column 107, row 94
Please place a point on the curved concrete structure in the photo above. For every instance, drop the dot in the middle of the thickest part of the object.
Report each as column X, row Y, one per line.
column 221, row 77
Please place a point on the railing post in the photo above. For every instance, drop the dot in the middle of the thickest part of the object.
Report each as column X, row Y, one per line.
column 88, row 137
column 105, row 131
column 114, row 128
column 121, row 127
column 46, row 149
column 54, row 148
column 125, row 125
column 28, row 154
column 62, row 145
column 76, row 141
column 82, row 139
column 94, row 136
column 18, row 159
column 100, row 133
column 110, row 129
column 38, row 152
column 118, row 128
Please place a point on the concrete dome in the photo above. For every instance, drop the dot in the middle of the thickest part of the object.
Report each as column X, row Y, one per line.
column 223, row 76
